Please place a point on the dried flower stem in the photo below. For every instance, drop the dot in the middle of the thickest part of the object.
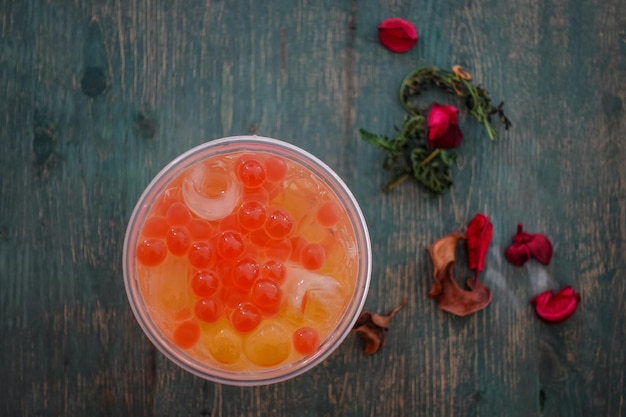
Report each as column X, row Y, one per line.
column 395, row 183
column 430, row 157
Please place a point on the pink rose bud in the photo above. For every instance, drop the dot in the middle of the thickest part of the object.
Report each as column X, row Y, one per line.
column 443, row 130
column 397, row 35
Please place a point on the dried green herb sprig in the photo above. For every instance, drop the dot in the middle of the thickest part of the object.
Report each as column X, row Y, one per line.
column 406, row 157
column 457, row 82
column 407, row 154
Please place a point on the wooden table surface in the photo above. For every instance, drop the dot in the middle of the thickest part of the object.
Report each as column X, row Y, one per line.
column 99, row 95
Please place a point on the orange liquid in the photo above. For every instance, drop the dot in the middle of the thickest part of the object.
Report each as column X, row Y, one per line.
column 260, row 266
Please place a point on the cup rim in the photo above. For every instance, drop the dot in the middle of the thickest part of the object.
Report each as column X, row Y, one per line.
column 326, row 174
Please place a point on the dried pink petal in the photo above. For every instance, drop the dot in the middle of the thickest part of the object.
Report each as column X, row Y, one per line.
column 540, row 248
column 558, row 307
column 443, row 129
column 517, row 254
column 477, row 240
column 527, row 245
column 397, row 35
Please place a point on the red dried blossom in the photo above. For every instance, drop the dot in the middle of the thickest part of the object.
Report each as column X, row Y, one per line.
column 397, row 35
column 527, row 245
column 443, row 129
column 558, row 307
column 477, row 239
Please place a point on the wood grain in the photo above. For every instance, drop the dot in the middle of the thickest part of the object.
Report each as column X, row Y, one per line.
column 99, row 95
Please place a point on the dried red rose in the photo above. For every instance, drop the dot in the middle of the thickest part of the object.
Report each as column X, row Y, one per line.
column 527, row 245
column 558, row 307
column 443, row 129
column 373, row 328
column 397, row 35
column 449, row 296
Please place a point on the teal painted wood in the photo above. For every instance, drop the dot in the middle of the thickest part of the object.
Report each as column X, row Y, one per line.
column 98, row 96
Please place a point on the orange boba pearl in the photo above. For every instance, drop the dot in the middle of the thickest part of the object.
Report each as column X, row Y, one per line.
column 274, row 270
column 250, row 172
column 267, row 295
column 306, row 340
column 200, row 229
column 205, row 283
column 187, row 334
column 208, row 310
column 201, row 254
column 151, row 252
column 279, row 224
column 245, row 272
column 251, row 215
column 275, row 168
column 178, row 240
column 245, row 318
column 230, row 245
column 178, row 214
column 328, row 214
column 312, row 256
column 155, row 226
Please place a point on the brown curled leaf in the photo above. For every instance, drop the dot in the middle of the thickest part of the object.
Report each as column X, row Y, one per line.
column 454, row 299
column 372, row 328
column 445, row 290
column 373, row 335
column 442, row 251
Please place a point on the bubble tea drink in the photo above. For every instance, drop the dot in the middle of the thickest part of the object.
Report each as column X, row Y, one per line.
column 247, row 261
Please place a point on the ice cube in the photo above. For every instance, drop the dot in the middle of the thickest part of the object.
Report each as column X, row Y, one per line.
column 312, row 296
column 211, row 191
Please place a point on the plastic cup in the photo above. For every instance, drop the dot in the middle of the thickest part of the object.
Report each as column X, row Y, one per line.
column 252, row 361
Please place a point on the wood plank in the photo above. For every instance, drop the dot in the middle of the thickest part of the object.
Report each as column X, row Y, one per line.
column 76, row 156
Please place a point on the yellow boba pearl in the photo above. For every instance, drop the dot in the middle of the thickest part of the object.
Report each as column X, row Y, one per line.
column 225, row 346
column 269, row 345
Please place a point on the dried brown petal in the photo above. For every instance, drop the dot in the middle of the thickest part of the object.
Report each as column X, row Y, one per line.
column 373, row 335
column 445, row 290
column 442, row 251
column 454, row 299
column 372, row 328
column 461, row 72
